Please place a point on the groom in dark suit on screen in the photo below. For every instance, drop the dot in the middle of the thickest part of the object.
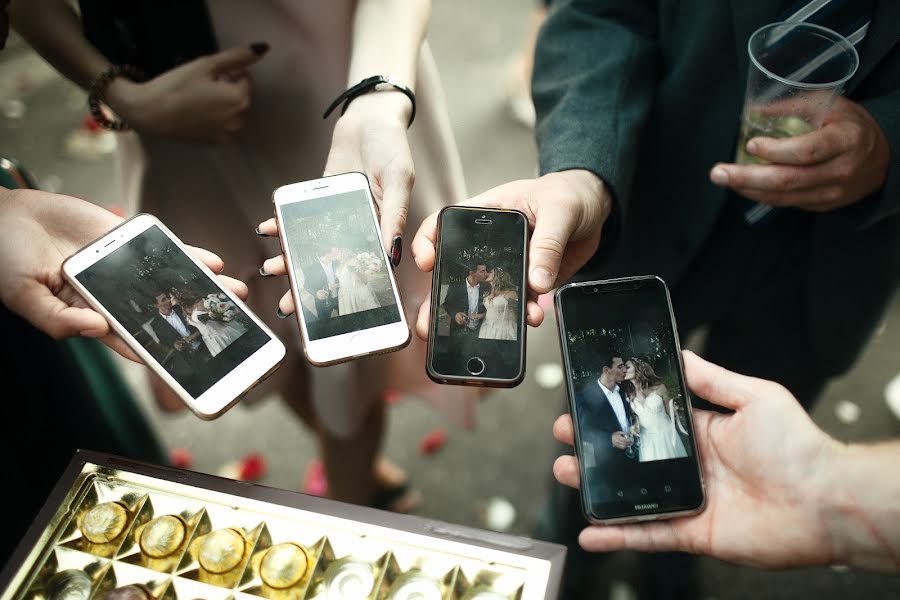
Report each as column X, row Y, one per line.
column 184, row 348
column 465, row 301
column 320, row 280
column 604, row 419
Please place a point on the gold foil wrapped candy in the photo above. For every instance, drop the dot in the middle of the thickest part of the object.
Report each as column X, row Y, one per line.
column 283, row 565
column 415, row 585
column 349, row 580
column 129, row 592
column 104, row 523
column 162, row 536
column 221, row 551
column 70, row 584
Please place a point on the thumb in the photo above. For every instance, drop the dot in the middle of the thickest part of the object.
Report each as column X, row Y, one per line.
column 716, row 384
column 236, row 59
column 552, row 230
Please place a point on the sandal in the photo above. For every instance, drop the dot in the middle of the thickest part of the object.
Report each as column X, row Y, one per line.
column 402, row 498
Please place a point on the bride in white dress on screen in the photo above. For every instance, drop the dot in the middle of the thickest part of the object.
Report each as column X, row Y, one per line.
column 214, row 317
column 501, row 306
column 659, row 439
column 354, row 275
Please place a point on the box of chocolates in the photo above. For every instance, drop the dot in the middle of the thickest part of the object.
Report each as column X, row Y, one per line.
column 116, row 529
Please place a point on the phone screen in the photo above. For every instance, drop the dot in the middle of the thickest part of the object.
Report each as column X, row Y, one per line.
column 478, row 318
column 339, row 265
column 177, row 313
column 629, row 403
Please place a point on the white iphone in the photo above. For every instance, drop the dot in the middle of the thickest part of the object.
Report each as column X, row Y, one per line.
column 344, row 289
column 176, row 316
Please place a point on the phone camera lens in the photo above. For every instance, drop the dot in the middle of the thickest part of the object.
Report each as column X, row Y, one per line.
column 595, row 290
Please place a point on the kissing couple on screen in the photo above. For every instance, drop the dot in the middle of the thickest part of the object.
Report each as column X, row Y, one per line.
column 633, row 409
column 484, row 304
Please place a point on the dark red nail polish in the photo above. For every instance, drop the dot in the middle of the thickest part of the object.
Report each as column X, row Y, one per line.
column 396, row 251
column 260, row 233
column 259, row 48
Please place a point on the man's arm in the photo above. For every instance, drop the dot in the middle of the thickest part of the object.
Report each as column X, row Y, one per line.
column 594, row 79
column 886, row 112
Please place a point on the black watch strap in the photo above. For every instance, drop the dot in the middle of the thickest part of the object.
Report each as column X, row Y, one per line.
column 369, row 84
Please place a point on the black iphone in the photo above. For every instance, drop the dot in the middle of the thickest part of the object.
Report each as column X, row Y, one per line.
column 634, row 437
column 478, row 298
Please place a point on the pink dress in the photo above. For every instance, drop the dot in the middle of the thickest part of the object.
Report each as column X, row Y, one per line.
column 214, row 195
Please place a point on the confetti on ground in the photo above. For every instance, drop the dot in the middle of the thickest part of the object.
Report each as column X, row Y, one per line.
column 892, row 395
column 433, row 441
column 392, row 396
column 549, row 375
column 181, row 458
column 847, row 412
column 314, row 480
column 250, row 468
column 499, row 514
column 14, row 109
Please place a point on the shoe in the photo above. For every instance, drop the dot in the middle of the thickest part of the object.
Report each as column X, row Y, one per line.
column 402, row 498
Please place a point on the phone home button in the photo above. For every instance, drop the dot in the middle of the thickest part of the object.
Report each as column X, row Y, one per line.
column 475, row 366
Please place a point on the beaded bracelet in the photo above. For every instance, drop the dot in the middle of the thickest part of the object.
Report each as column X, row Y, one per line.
column 375, row 83
column 97, row 90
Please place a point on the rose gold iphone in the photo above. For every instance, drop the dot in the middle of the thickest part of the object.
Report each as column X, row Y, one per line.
column 344, row 289
column 176, row 316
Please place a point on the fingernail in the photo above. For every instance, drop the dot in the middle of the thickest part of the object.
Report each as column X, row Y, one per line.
column 281, row 314
column 396, row 251
column 720, row 176
column 260, row 233
column 752, row 146
column 259, row 48
column 541, row 278
column 262, row 272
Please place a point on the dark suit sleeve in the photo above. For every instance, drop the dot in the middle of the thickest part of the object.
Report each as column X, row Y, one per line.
column 451, row 302
column 885, row 110
column 594, row 78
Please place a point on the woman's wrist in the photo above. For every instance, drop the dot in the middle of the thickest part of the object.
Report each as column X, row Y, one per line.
column 127, row 99
column 383, row 104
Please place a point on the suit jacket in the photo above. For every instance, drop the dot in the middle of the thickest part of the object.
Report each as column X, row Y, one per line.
column 609, row 468
column 648, row 95
column 457, row 300
column 166, row 333
column 315, row 279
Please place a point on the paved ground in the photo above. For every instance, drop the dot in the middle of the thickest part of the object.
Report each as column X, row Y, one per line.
column 510, row 452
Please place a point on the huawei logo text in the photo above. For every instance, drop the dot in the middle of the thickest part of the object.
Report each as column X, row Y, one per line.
column 646, row 506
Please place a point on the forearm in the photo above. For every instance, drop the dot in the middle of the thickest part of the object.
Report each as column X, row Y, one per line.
column 387, row 38
column 861, row 506
column 53, row 29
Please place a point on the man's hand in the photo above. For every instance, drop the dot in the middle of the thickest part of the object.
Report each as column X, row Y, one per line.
column 565, row 211
column 38, row 231
column 840, row 163
column 204, row 100
column 764, row 468
column 620, row 440
column 460, row 318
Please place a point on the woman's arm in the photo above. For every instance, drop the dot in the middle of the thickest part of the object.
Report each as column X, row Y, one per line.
column 371, row 136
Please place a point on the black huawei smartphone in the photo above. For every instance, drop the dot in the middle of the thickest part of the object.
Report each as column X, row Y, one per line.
column 152, row 35
column 634, row 437
column 478, row 297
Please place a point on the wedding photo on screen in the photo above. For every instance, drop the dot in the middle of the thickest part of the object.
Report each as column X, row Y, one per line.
column 628, row 399
column 479, row 291
column 339, row 266
column 173, row 310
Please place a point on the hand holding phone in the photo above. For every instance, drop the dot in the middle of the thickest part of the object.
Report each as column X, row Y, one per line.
column 140, row 277
column 328, row 229
column 478, row 298
column 637, row 458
